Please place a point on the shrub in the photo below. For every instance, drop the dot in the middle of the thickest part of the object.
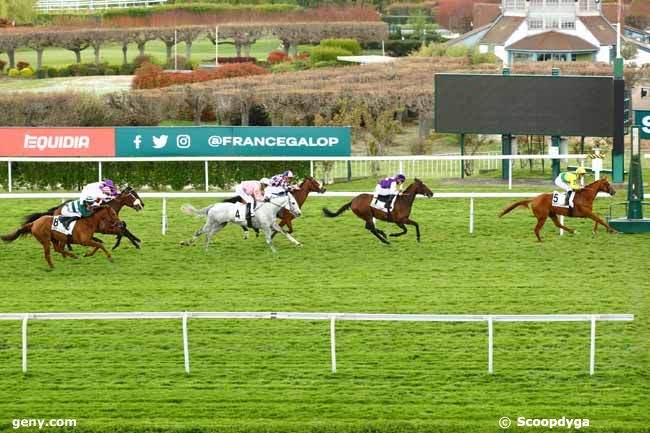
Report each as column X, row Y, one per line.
column 2, row 65
column 27, row 72
column 14, row 72
column 350, row 45
column 457, row 51
column 110, row 71
column 180, row 61
column 277, row 57
column 432, row 50
column 191, row 65
column 140, row 60
column 22, row 65
column 91, row 70
column 327, row 54
column 64, row 72
column 52, row 72
column 77, row 70
column 41, row 73
column 477, row 58
column 127, row 69
column 303, row 55
column 153, row 77
column 327, row 64
column 402, row 48
column 282, row 67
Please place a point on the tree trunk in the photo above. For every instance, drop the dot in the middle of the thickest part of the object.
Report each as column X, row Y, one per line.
column 141, row 48
column 238, row 48
column 77, row 55
column 125, row 50
column 245, row 115
column 294, row 50
column 285, row 47
column 39, row 58
column 97, row 59
column 169, row 46
column 11, row 54
column 247, row 50
column 188, row 51
column 424, row 126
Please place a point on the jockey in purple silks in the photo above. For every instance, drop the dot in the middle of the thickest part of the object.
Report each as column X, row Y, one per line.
column 387, row 189
column 279, row 184
column 102, row 192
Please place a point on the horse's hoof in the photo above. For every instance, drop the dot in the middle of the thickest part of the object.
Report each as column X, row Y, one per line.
column 298, row 245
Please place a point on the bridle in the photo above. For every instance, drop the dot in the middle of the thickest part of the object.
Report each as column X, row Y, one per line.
column 291, row 208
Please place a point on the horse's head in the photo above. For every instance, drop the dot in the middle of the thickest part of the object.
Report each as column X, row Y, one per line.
column 605, row 186
column 109, row 222
column 310, row 184
column 421, row 188
column 291, row 205
column 130, row 198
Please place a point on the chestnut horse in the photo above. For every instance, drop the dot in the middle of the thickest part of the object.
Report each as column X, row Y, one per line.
column 400, row 213
column 103, row 219
column 583, row 201
column 128, row 197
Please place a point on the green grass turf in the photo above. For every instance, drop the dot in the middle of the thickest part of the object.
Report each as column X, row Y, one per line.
column 202, row 51
column 274, row 375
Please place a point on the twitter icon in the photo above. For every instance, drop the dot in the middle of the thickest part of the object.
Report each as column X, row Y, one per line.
column 160, row 142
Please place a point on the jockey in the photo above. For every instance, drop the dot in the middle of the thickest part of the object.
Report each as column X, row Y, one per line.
column 569, row 182
column 76, row 209
column 387, row 189
column 252, row 191
column 279, row 184
column 105, row 191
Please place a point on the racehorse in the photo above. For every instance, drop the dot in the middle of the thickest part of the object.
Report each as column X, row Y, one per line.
column 542, row 207
column 400, row 213
column 128, row 197
column 104, row 219
column 309, row 184
column 220, row 214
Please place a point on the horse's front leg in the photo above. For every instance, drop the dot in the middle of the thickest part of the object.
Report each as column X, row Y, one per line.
column 593, row 231
column 278, row 229
column 269, row 238
column 601, row 222
column 96, row 246
column 198, row 233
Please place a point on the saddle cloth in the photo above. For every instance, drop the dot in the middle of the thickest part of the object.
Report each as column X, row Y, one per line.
column 380, row 205
column 58, row 226
column 559, row 199
column 239, row 213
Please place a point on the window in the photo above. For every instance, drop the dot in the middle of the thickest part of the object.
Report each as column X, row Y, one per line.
column 537, row 4
column 535, row 23
column 568, row 24
column 543, row 57
column 552, row 23
column 522, row 57
column 552, row 3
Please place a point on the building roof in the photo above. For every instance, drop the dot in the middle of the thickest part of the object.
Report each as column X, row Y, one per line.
column 610, row 11
column 552, row 41
column 600, row 28
column 469, row 34
column 485, row 13
column 502, row 29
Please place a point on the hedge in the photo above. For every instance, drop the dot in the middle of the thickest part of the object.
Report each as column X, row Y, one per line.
column 327, row 54
column 350, row 45
column 154, row 175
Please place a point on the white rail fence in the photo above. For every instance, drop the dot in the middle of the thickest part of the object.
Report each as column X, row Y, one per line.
column 434, row 166
column 472, row 196
column 332, row 318
column 60, row 5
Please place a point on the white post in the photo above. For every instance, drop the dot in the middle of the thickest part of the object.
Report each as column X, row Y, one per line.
column 383, row 49
column 333, row 342
column 592, row 348
column 471, row 215
column 216, row 46
column 510, row 174
column 9, row 180
column 581, row 163
column 207, row 184
column 176, row 50
column 311, row 168
column 25, row 318
column 186, row 350
column 401, row 166
column 99, row 170
column 164, row 217
column 562, row 222
column 618, row 30
column 490, row 345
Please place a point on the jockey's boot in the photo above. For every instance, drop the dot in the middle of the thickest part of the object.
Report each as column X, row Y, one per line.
column 67, row 220
column 568, row 199
column 389, row 217
column 249, row 215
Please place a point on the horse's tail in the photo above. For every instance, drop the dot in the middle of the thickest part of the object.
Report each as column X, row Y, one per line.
column 24, row 230
column 515, row 205
column 234, row 199
column 36, row 215
column 343, row 208
column 191, row 210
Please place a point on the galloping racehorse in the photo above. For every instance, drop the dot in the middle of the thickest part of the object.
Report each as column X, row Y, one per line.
column 542, row 207
column 360, row 205
column 128, row 197
column 104, row 219
column 220, row 214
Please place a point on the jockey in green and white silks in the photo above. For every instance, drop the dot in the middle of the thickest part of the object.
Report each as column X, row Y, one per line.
column 74, row 210
column 569, row 182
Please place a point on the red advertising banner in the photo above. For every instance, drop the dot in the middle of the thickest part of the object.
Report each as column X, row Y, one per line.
column 53, row 142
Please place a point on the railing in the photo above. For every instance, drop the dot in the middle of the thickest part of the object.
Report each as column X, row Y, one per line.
column 57, row 5
column 400, row 163
column 332, row 318
column 176, row 195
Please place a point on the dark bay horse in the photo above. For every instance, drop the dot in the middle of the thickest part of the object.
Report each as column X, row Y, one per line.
column 360, row 205
column 128, row 197
column 542, row 207
column 104, row 220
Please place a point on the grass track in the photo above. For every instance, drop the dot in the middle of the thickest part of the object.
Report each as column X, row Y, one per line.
column 274, row 376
